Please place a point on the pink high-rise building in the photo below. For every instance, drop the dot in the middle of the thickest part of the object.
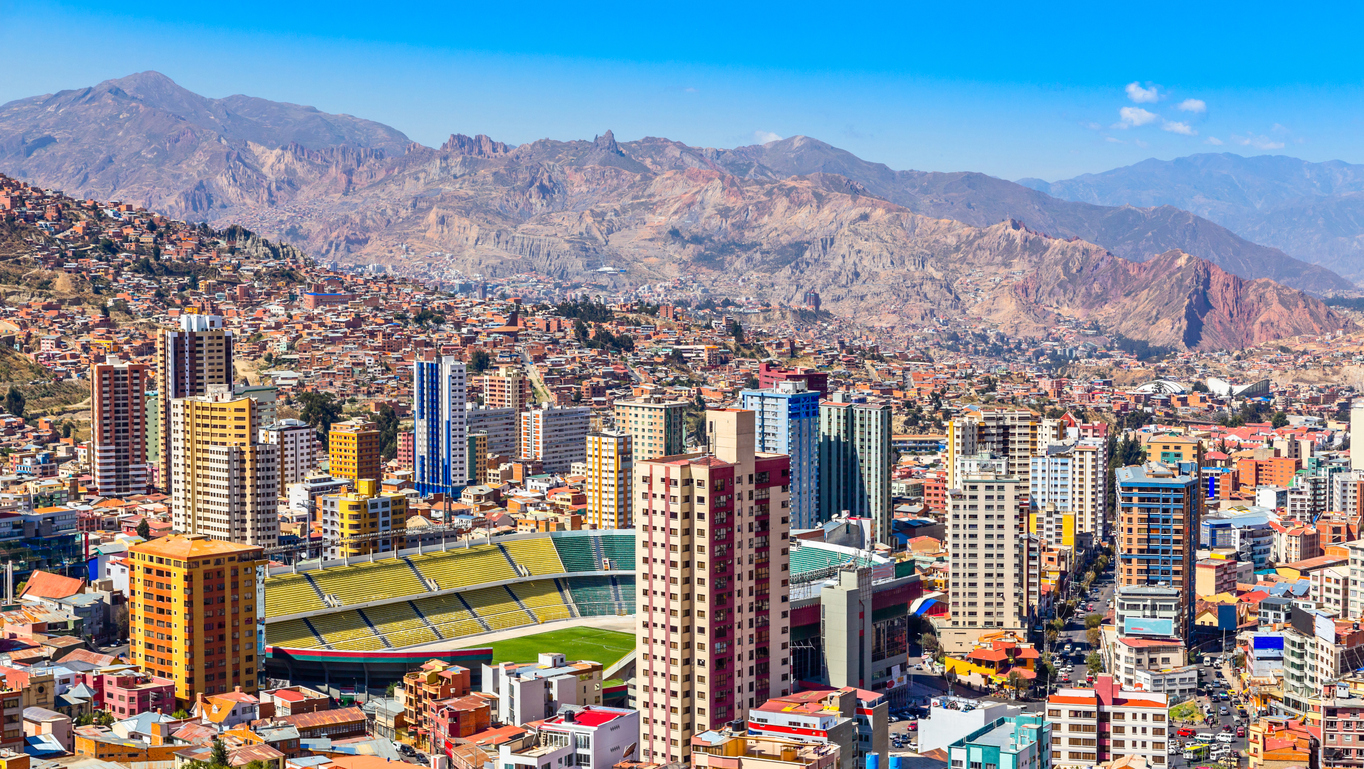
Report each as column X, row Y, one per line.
column 713, row 611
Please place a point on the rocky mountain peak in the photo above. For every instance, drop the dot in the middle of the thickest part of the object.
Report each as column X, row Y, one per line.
column 607, row 143
column 478, row 146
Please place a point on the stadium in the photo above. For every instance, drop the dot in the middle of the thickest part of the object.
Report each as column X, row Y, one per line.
column 361, row 624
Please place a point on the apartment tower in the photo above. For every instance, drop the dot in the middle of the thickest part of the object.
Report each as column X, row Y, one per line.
column 712, row 621
column 440, row 445
column 609, row 469
column 508, row 388
column 193, row 613
column 297, row 442
column 989, row 590
column 655, row 425
column 555, row 436
column 855, row 461
column 187, row 362
column 363, row 521
column 225, row 481
column 353, row 451
column 1073, row 477
column 1015, row 434
column 1160, row 510
column 787, row 419
column 118, row 427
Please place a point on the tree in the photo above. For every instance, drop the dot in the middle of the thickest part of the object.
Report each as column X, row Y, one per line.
column 736, row 330
column 320, row 410
column 929, row 643
column 144, row 529
column 1092, row 635
column 218, row 755
column 269, row 359
column 1279, row 419
column 14, row 402
column 1200, row 387
column 1095, row 663
column 1093, row 621
column 1017, row 683
column 66, row 429
column 180, row 714
column 480, row 360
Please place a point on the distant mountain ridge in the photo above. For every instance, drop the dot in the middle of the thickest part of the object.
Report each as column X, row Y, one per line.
column 1314, row 211
column 771, row 220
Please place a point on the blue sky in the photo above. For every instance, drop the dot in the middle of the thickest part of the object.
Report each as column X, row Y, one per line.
column 1012, row 90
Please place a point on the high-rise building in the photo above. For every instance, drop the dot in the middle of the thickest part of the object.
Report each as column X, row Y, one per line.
column 989, row 590
column 363, row 521
column 788, row 423
column 152, row 411
column 118, row 427
column 1357, row 435
column 855, row 461
column 507, row 388
column 478, row 457
column 297, row 442
column 609, row 467
column 656, row 425
column 440, row 447
column 187, row 362
column 555, row 436
column 1074, row 478
column 353, row 451
column 712, row 621
column 1160, row 509
column 193, row 613
column 1108, row 722
column 1016, row 434
column 224, row 480
column 503, row 427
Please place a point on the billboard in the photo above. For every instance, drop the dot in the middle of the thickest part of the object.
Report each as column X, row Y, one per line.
column 1158, row 626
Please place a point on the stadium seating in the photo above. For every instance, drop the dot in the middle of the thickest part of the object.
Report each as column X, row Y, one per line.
column 495, row 606
column 292, row 634
column 807, row 559
column 290, row 594
column 449, row 616
column 537, row 554
column 463, row 567
column 542, row 597
column 620, row 548
column 347, row 630
column 592, row 596
column 362, row 582
column 576, row 553
column 399, row 624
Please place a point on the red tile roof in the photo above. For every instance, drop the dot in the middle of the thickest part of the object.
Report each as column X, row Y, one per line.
column 45, row 584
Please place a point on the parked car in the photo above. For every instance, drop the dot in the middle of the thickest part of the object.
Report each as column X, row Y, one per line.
column 1240, row 731
column 914, row 726
column 1184, row 731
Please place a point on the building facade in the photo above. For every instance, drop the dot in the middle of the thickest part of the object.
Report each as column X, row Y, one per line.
column 297, row 442
column 655, row 425
column 118, row 427
column 224, row 481
column 363, row 521
column 712, row 623
column 187, row 362
column 193, row 613
column 989, row 559
column 788, row 423
column 1159, row 511
column 353, row 451
column 555, row 436
column 1074, row 477
column 609, row 485
column 440, row 443
column 855, row 460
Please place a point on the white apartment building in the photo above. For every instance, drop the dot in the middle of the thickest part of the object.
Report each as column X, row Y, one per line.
column 532, row 691
column 988, row 589
column 297, row 442
column 555, row 436
column 1074, row 477
column 1094, row 726
column 1331, row 590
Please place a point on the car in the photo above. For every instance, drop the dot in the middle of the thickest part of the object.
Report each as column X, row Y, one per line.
column 1184, row 731
column 1226, row 727
column 914, row 726
column 1240, row 731
column 1225, row 737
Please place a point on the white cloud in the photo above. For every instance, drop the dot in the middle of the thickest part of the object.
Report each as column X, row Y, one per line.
column 1114, row 140
column 689, row 89
column 1196, row 106
column 1140, row 143
column 1279, row 128
column 1148, row 95
column 1214, row 141
column 1258, row 142
column 1135, row 116
column 1178, row 128
column 763, row 137
column 1093, row 126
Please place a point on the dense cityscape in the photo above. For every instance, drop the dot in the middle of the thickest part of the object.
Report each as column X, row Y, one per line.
column 538, row 523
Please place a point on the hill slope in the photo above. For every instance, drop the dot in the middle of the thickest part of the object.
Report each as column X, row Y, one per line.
column 1314, row 211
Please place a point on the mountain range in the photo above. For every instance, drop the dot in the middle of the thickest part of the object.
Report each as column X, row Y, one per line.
column 1314, row 211
column 771, row 220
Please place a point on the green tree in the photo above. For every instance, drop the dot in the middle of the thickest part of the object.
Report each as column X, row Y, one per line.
column 144, row 529
column 1092, row 635
column 1017, row 683
column 218, row 754
column 1093, row 621
column 1095, row 663
column 14, row 402
column 320, row 410
column 66, row 429
column 736, row 330
column 388, row 432
column 480, row 360
column 180, row 714
column 1279, row 419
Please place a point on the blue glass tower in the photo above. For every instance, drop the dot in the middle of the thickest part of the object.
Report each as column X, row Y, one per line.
column 787, row 422
column 440, row 441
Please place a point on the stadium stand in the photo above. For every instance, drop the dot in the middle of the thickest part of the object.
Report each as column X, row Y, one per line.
column 362, row 582
column 291, row 594
column 399, row 624
column 542, row 597
column 459, row 568
column 576, row 553
column 497, row 607
column 537, row 554
column 449, row 616
column 593, row 597
column 347, row 630
column 292, row 634
column 807, row 559
column 620, row 549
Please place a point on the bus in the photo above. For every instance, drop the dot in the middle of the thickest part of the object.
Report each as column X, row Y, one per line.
column 1196, row 752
